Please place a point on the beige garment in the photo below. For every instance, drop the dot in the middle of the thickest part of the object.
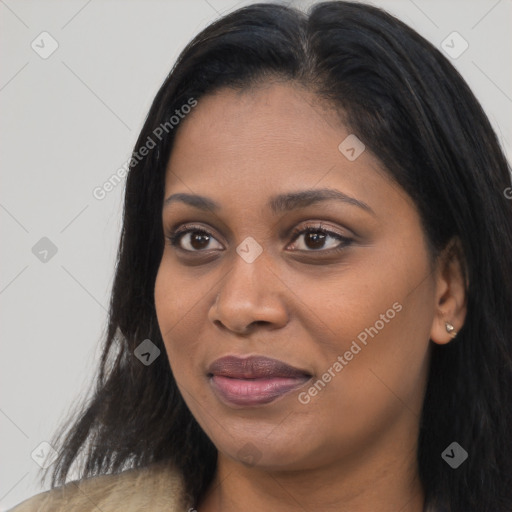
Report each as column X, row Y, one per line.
column 157, row 488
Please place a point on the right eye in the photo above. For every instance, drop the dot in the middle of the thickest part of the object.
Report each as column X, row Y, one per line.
column 192, row 239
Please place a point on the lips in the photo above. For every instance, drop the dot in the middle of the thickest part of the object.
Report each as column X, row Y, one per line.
column 254, row 380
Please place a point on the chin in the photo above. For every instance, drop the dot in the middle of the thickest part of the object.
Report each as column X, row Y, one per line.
column 268, row 447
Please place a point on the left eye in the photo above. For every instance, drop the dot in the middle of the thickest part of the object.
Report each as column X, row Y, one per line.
column 314, row 239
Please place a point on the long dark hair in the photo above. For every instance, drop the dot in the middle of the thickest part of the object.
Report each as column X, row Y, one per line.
column 414, row 111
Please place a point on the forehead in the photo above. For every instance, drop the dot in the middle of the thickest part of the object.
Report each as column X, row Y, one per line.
column 277, row 119
column 247, row 145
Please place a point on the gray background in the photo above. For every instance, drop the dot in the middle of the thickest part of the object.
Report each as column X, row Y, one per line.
column 68, row 123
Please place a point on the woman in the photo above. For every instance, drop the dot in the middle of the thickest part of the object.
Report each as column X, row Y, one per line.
column 311, row 307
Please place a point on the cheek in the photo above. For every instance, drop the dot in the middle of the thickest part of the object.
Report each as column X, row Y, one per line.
column 379, row 320
column 178, row 304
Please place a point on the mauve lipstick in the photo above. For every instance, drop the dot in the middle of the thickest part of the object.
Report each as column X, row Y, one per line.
column 254, row 380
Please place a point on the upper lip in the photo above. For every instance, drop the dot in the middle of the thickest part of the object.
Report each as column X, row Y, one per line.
column 253, row 367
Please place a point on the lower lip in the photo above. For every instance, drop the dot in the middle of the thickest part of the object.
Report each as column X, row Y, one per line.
column 246, row 392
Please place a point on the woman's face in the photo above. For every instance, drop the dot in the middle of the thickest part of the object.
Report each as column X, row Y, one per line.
column 349, row 305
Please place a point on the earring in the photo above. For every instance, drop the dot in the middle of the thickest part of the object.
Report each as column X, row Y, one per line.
column 450, row 329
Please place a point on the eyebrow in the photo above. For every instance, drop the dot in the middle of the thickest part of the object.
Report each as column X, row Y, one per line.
column 278, row 204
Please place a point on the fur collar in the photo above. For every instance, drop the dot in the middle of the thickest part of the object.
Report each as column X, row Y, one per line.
column 154, row 489
column 157, row 488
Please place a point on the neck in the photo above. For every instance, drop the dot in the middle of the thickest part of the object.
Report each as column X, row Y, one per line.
column 371, row 481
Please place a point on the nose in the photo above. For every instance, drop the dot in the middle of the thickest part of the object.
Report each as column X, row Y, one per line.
column 249, row 295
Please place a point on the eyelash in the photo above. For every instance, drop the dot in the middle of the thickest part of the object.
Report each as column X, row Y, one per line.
column 175, row 237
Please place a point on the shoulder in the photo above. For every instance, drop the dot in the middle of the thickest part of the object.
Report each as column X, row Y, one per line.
column 155, row 488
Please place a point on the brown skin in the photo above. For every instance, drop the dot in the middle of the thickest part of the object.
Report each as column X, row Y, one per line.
column 353, row 446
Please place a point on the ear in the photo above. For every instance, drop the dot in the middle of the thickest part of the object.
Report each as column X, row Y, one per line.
column 450, row 293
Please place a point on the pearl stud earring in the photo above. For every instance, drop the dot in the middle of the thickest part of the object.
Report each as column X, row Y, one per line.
column 450, row 329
